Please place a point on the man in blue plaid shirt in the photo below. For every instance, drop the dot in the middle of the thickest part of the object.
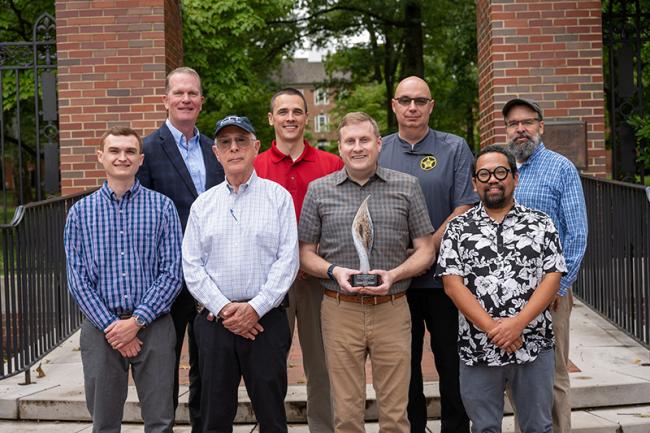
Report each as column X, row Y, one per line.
column 123, row 249
column 549, row 182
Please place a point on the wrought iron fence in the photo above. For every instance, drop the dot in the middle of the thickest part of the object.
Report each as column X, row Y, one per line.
column 37, row 312
column 29, row 129
column 615, row 275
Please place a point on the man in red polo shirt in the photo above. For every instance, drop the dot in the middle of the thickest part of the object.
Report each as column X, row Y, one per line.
column 293, row 163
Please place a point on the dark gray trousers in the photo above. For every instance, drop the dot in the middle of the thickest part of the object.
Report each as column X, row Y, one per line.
column 482, row 390
column 106, row 375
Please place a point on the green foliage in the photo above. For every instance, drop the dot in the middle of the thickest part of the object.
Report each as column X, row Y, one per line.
column 375, row 65
column 642, row 125
column 236, row 48
column 369, row 98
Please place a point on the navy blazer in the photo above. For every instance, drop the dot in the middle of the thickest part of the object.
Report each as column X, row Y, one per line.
column 165, row 171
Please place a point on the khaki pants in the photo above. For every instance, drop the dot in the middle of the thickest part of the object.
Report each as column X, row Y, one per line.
column 353, row 331
column 305, row 297
column 562, row 385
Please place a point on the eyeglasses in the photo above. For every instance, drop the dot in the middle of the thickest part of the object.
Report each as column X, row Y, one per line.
column 226, row 143
column 406, row 101
column 511, row 124
column 499, row 173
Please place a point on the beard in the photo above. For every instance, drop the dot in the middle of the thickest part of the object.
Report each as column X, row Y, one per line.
column 494, row 201
column 522, row 151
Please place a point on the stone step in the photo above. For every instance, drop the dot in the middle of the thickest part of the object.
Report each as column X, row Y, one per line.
column 66, row 403
column 635, row 419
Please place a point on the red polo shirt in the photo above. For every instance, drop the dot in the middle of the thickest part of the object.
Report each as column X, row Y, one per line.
column 295, row 176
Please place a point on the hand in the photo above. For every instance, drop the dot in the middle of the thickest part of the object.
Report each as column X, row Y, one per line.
column 342, row 276
column 555, row 302
column 383, row 288
column 515, row 346
column 131, row 349
column 506, row 332
column 121, row 332
column 241, row 319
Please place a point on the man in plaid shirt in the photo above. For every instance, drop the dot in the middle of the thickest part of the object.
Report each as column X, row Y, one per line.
column 358, row 321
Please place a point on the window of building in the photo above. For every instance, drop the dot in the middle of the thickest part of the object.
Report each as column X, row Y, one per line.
column 321, row 123
column 320, row 97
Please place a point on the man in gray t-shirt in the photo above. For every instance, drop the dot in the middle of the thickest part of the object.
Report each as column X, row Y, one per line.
column 442, row 163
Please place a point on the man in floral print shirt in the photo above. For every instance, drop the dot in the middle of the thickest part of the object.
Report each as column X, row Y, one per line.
column 501, row 264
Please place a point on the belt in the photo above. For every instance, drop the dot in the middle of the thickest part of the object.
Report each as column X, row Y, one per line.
column 363, row 299
column 125, row 316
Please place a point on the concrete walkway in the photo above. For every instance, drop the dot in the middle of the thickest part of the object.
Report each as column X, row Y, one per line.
column 610, row 389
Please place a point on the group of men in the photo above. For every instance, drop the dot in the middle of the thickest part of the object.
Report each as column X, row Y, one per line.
column 206, row 235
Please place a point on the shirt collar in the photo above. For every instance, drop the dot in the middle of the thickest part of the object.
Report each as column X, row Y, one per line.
column 109, row 194
column 342, row 175
column 178, row 134
column 406, row 146
column 244, row 186
column 308, row 153
column 482, row 214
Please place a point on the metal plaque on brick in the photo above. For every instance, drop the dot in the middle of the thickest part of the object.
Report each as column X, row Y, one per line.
column 569, row 138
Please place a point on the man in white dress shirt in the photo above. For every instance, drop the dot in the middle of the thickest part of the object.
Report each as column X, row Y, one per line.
column 240, row 256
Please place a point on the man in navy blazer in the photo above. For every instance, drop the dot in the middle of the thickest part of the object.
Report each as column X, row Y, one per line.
column 180, row 164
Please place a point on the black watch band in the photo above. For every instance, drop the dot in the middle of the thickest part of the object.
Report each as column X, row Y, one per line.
column 330, row 272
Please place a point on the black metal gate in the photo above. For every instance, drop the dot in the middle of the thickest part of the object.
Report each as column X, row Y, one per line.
column 626, row 28
column 29, row 131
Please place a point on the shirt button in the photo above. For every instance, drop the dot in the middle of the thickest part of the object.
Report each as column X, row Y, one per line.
column 124, row 275
column 121, row 232
column 126, row 296
column 121, row 252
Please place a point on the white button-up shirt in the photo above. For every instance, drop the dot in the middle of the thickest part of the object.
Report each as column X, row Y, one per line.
column 241, row 246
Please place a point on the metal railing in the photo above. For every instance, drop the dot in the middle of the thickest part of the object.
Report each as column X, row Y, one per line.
column 37, row 312
column 615, row 275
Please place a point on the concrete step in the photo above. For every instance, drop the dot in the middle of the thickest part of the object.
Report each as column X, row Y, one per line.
column 614, row 372
column 67, row 403
column 634, row 419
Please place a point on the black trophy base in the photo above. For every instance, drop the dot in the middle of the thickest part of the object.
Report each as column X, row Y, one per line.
column 365, row 280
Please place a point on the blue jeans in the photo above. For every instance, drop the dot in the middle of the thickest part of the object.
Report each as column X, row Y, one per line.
column 482, row 389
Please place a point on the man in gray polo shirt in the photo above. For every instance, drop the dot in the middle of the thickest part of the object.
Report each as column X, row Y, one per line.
column 442, row 163
column 357, row 321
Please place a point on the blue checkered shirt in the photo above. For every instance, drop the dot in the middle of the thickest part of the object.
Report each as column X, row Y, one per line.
column 241, row 246
column 550, row 182
column 123, row 256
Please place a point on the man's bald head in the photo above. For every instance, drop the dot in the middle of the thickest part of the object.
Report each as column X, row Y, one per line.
column 412, row 106
column 412, row 83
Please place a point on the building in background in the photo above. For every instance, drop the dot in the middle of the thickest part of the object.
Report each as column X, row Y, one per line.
column 311, row 79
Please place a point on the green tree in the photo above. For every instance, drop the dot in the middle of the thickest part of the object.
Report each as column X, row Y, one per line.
column 17, row 19
column 236, row 49
column 436, row 41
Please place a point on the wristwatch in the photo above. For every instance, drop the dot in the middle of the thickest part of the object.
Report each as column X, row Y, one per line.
column 330, row 272
column 139, row 321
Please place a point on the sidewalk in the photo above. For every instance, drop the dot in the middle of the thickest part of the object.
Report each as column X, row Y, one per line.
column 610, row 388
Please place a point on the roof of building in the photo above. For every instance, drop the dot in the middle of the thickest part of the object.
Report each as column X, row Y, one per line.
column 296, row 72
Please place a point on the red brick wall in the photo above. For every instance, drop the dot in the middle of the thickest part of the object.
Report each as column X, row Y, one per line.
column 113, row 59
column 550, row 51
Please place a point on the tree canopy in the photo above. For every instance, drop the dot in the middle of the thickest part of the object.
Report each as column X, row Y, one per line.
column 237, row 47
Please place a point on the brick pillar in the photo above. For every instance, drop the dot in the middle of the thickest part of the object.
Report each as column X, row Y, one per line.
column 113, row 56
column 550, row 51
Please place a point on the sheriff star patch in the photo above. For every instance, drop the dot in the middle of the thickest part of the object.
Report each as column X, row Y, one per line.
column 428, row 162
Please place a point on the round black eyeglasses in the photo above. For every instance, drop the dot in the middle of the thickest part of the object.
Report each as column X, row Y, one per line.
column 499, row 173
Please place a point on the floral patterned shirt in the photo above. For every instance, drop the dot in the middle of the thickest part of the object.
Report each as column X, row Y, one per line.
column 502, row 265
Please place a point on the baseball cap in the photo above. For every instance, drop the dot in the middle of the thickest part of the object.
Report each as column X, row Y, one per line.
column 234, row 120
column 533, row 105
